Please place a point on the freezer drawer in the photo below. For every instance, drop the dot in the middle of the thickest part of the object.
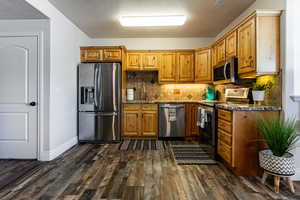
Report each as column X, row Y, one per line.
column 171, row 120
column 98, row 127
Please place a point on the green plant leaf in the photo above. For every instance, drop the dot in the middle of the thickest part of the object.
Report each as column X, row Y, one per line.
column 280, row 135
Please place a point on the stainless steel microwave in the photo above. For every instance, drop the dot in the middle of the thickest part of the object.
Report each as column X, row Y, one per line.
column 226, row 72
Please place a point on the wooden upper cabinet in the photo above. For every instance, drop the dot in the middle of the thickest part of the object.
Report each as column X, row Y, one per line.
column 220, row 51
column 112, row 54
column 203, row 69
column 134, row 61
column 93, row 55
column 151, row 61
column 231, row 45
column 167, row 72
column 214, row 56
column 101, row 53
column 247, row 47
column 185, row 62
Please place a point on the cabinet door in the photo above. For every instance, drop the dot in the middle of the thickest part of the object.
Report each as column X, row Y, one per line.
column 214, row 56
column 112, row 54
column 167, row 72
column 92, row 55
column 151, row 61
column 149, row 123
column 220, row 48
column 231, row 45
column 131, row 123
column 203, row 66
column 185, row 66
column 246, row 47
column 134, row 61
column 191, row 120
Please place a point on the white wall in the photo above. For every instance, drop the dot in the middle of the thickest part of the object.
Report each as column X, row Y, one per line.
column 155, row 43
column 292, row 67
column 258, row 4
column 65, row 40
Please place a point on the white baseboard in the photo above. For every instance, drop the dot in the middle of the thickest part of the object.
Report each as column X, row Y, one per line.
column 296, row 177
column 54, row 153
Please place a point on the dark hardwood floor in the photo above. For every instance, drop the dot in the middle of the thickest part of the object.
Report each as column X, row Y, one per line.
column 103, row 172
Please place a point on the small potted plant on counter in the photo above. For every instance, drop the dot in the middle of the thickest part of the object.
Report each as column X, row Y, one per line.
column 258, row 91
column 281, row 137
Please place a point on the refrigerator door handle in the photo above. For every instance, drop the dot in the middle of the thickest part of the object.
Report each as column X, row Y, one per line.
column 99, row 87
column 96, row 85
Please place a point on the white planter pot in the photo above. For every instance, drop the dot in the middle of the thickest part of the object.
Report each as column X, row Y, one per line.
column 284, row 166
column 258, row 95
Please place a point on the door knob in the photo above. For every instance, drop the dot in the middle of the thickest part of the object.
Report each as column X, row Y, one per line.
column 32, row 103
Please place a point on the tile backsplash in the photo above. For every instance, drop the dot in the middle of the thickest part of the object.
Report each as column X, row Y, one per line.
column 148, row 88
column 147, row 81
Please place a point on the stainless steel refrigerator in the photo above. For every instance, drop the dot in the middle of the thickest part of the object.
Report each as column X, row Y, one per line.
column 99, row 96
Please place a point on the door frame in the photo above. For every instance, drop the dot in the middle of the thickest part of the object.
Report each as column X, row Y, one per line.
column 41, row 44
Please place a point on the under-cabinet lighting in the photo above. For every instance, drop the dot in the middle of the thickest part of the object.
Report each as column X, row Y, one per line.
column 168, row 20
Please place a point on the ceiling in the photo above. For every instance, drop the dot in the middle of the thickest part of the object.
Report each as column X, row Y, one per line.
column 18, row 9
column 99, row 18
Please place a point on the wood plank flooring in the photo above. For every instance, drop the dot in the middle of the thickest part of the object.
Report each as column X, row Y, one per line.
column 103, row 172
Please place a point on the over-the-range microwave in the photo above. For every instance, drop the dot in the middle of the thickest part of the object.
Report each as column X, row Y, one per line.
column 226, row 72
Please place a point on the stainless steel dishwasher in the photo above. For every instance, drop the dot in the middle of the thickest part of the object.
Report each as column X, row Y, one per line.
column 171, row 120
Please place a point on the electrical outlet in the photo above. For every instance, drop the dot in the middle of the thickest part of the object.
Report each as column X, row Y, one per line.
column 176, row 91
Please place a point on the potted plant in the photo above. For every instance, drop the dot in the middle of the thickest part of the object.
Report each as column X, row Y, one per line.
column 258, row 91
column 281, row 137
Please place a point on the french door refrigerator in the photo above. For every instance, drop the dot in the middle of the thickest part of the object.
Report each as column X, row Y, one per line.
column 99, row 96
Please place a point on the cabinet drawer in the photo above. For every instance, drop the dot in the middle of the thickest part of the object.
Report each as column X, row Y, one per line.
column 224, row 125
column 224, row 151
column 133, row 107
column 225, row 137
column 225, row 114
column 149, row 107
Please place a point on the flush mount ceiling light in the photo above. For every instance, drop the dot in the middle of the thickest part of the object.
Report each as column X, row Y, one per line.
column 167, row 20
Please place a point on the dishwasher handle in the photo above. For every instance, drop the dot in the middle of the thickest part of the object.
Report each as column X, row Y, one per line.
column 171, row 107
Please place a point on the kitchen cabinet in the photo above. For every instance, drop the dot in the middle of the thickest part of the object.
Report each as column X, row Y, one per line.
column 192, row 130
column 203, row 69
column 151, row 61
column 213, row 56
column 167, row 72
column 231, row 44
column 259, row 44
column 112, row 54
column 101, row 54
column 220, row 51
column 143, row 61
column 134, row 61
column 185, row 62
column 140, row 120
column 247, row 47
column 239, row 140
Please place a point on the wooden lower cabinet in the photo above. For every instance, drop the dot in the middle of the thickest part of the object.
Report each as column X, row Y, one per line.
column 239, row 140
column 191, row 120
column 140, row 120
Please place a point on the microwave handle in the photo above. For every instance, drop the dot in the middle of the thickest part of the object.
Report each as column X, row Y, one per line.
column 225, row 67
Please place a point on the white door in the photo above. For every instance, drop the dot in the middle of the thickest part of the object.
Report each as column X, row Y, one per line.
column 18, row 94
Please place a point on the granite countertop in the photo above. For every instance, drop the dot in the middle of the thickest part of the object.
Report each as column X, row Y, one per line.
column 217, row 104
column 248, row 107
